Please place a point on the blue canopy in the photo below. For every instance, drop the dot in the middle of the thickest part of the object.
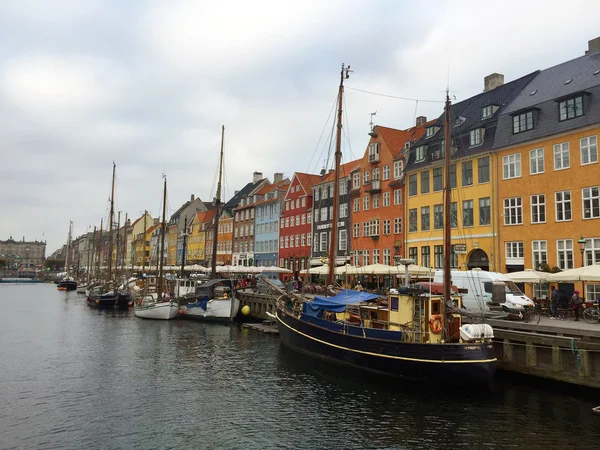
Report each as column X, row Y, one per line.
column 339, row 302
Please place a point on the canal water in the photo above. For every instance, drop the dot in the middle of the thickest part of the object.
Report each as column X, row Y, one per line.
column 72, row 377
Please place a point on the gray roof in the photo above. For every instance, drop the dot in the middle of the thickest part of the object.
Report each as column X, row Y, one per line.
column 234, row 201
column 549, row 86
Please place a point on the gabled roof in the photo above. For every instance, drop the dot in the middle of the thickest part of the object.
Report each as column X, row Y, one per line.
column 246, row 190
column 305, row 180
column 466, row 116
column 346, row 170
column 152, row 228
column 203, row 217
column 279, row 186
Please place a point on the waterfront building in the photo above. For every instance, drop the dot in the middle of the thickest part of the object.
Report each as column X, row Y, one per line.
column 295, row 224
column 22, row 253
column 243, row 226
column 224, row 239
column 134, row 230
column 177, row 224
column 548, row 173
column 323, row 215
column 474, row 229
column 142, row 245
column 196, row 241
column 376, row 194
column 268, row 210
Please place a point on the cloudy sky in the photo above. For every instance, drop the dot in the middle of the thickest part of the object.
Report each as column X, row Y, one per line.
column 148, row 84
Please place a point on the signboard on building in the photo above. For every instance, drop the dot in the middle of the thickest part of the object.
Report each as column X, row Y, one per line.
column 460, row 249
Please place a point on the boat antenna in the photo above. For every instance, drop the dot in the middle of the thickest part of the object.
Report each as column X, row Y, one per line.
column 213, row 272
column 344, row 74
column 162, row 240
column 447, row 218
column 110, row 225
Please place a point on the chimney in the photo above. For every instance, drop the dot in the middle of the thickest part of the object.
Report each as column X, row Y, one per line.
column 256, row 177
column 235, row 193
column 421, row 120
column 593, row 46
column 192, row 198
column 492, row 81
column 277, row 177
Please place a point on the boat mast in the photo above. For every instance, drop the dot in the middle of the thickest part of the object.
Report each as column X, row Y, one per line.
column 110, row 237
column 100, row 250
column 447, row 199
column 68, row 250
column 162, row 240
column 344, row 74
column 184, row 246
column 213, row 272
column 93, row 255
column 87, row 268
column 118, row 247
column 124, row 245
column 144, row 245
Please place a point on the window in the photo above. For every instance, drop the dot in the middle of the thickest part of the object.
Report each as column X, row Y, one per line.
column 426, row 256
column 398, row 221
column 592, row 291
column 538, row 208
column 476, row 137
column 453, row 176
column 317, row 218
column 365, row 257
column 366, row 229
column 365, row 203
column 453, row 215
column 386, row 199
column 484, row 211
column 324, row 214
column 591, row 202
column 468, row 213
column 420, row 153
column 430, row 131
column 539, row 253
column 375, row 256
column 437, row 179
column 343, row 240
column 412, row 254
column 304, row 216
column 317, row 191
column 376, row 174
column 513, row 211
column 297, row 203
column 561, row 156
column 540, row 290
column 386, row 172
column 589, row 150
column 438, row 256
column 331, row 188
column 287, row 241
column 282, row 223
column 292, row 221
column 511, row 166
column 355, row 181
column 592, row 251
column 398, row 168
column 564, row 251
column 316, row 243
column 483, row 169
column 344, row 210
column 375, row 201
column 487, row 111
column 412, row 185
column 343, row 189
column 331, row 213
column 467, row 173
column 374, row 151
column 453, row 258
column 514, row 250
column 425, row 182
column 571, row 108
column 397, row 197
column 386, row 256
column 323, row 246
column 356, row 205
column 366, row 177
column 424, row 218
column 523, row 122
column 536, row 161
column 324, row 192
column 387, row 226
column 309, row 217
column 356, row 230
column 563, row 205
column 438, row 217
column 303, row 239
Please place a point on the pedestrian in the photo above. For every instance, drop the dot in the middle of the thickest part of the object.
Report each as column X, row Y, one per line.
column 555, row 296
column 358, row 286
column 576, row 302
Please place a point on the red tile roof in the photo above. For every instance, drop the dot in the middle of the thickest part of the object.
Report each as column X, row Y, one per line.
column 307, row 180
column 345, row 171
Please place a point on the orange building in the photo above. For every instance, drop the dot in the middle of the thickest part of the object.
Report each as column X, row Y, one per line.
column 377, row 190
column 548, row 174
column 224, row 240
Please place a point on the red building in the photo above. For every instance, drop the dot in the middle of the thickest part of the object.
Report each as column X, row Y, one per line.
column 295, row 230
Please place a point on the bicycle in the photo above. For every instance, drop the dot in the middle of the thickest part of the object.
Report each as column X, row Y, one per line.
column 532, row 314
column 591, row 314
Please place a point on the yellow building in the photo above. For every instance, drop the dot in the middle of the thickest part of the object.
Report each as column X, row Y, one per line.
column 133, row 231
column 474, row 230
column 196, row 241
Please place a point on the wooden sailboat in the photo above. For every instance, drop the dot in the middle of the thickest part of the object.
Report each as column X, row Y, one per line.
column 214, row 300
column 410, row 334
column 68, row 283
column 161, row 306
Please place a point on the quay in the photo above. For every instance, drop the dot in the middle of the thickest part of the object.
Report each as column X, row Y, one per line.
column 266, row 326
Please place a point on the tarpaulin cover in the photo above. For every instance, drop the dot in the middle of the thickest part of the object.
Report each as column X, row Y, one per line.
column 339, row 302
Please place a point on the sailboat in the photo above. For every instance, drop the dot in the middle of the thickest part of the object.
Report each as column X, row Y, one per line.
column 68, row 283
column 408, row 334
column 216, row 299
column 161, row 306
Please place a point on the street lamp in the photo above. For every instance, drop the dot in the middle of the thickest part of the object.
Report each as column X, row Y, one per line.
column 581, row 243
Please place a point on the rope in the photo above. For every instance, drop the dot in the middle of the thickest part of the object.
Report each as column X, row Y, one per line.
column 575, row 351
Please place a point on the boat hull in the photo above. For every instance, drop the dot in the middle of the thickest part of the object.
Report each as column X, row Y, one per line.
column 217, row 310
column 437, row 363
column 81, row 289
column 158, row 311
column 67, row 285
column 106, row 301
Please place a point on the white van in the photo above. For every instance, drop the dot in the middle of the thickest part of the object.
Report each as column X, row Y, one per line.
column 476, row 288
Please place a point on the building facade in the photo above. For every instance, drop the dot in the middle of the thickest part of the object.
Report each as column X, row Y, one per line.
column 22, row 253
column 266, row 223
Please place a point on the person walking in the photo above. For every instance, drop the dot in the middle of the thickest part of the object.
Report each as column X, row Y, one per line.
column 555, row 298
column 576, row 302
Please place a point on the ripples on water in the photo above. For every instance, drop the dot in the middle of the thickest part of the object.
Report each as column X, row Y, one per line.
column 73, row 377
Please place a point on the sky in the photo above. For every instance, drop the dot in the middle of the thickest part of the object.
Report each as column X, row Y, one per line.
column 148, row 85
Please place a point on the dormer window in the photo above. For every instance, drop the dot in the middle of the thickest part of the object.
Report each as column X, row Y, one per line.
column 431, row 131
column 488, row 111
column 523, row 122
column 571, row 108
column 374, row 152
column 420, row 153
column 476, row 137
column 459, row 121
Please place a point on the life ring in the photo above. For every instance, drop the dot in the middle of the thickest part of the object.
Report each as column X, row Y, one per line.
column 436, row 324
